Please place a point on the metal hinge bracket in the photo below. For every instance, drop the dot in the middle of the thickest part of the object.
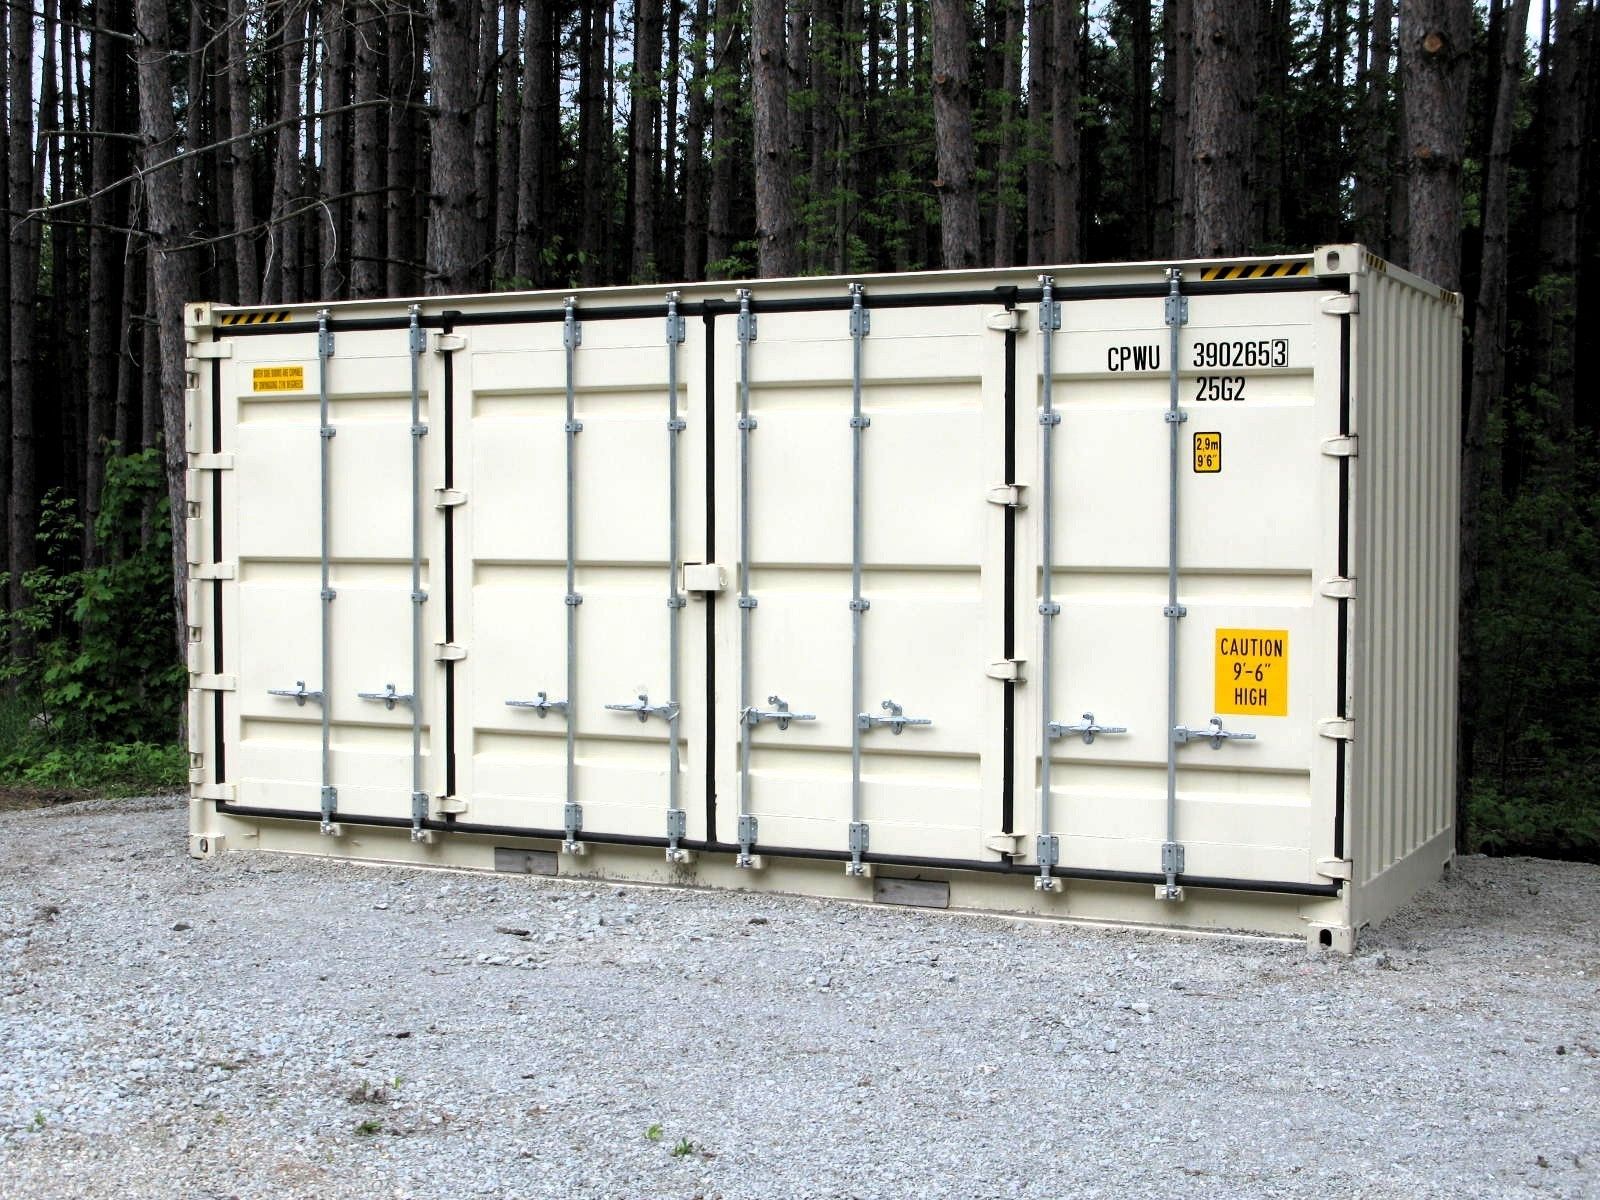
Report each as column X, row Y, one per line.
column 1338, row 589
column 1342, row 306
column 448, row 343
column 1341, row 729
column 1333, row 868
column 1006, row 320
column 448, row 652
column 211, row 350
column 1341, row 447
column 1007, row 670
column 448, row 497
column 1008, row 495
column 325, row 343
column 1177, row 310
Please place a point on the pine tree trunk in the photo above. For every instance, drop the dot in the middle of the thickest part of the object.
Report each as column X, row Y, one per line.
column 244, row 184
column 775, row 223
column 335, row 140
column 507, row 182
column 1222, row 113
column 1005, row 233
column 593, row 133
column 533, row 169
column 282, row 285
column 484, row 103
column 1041, row 207
column 5, row 325
column 1435, row 41
column 1182, row 17
column 366, row 206
column 24, row 237
column 724, row 138
column 1562, row 153
column 1375, row 159
column 1143, row 183
column 401, row 223
column 175, row 278
column 694, row 148
column 1066, row 145
column 454, row 250
column 643, row 151
column 952, row 132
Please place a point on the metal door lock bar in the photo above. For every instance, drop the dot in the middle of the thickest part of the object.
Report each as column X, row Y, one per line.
column 1047, row 849
column 896, row 720
column 388, row 697
column 298, row 693
column 1213, row 733
column 778, row 713
column 748, row 827
column 542, row 705
column 645, row 710
column 1089, row 729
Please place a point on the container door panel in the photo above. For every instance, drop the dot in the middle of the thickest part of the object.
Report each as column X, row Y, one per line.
column 1258, row 526
column 511, row 388
column 275, row 520
column 932, row 578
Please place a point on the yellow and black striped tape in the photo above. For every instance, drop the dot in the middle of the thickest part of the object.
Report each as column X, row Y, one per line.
column 255, row 318
column 1280, row 270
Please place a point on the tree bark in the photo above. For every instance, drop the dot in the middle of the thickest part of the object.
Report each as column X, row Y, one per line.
column 694, row 186
column 1562, row 153
column 403, row 153
column 507, row 181
column 1066, row 146
column 1375, row 160
column 645, row 144
column 593, row 133
column 175, row 279
column 952, row 131
column 454, row 249
column 1041, row 208
column 24, row 238
column 366, row 206
column 244, row 184
column 724, row 143
column 1005, row 234
column 533, row 169
column 1182, row 229
column 282, row 283
column 1222, row 114
column 775, row 221
column 484, row 103
column 1435, row 40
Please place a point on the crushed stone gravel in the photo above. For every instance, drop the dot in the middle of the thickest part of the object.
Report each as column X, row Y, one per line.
column 270, row 1026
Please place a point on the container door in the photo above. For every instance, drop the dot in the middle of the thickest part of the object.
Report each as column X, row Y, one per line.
column 855, row 704
column 274, row 517
column 518, row 694
column 1257, row 630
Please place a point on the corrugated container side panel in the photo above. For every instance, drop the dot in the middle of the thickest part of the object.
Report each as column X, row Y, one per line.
column 1405, row 413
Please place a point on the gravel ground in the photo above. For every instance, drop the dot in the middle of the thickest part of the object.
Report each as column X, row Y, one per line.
column 279, row 1027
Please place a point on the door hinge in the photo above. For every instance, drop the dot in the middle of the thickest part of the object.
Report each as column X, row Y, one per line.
column 1008, row 670
column 1340, row 447
column 703, row 577
column 1342, row 306
column 448, row 652
column 1339, row 589
column 1006, row 320
column 452, row 804
column 448, row 498
column 1009, row 495
column 211, row 350
column 1334, row 868
column 1341, row 729
column 448, row 343
column 1004, row 843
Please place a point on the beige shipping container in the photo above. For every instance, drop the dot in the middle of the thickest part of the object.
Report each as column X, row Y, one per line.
column 1122, row 593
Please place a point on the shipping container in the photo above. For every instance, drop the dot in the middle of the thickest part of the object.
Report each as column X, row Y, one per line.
column 1119, row 592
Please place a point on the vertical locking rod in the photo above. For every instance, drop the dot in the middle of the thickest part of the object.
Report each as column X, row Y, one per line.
column 419, row 798
column 325, row 431
column 571, row 337
column 675, row 600
column 1176, row 314
column 747, row 602
column 1049, row 321
column 859, row 318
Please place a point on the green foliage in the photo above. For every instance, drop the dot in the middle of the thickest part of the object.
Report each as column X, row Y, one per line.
column 95, row 692
column 1537, row 623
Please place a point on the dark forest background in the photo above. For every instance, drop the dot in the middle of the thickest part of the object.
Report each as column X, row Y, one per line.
column 274, row 151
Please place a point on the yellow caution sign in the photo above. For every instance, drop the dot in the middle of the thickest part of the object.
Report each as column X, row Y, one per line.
column 278, row 379
column 1252, row 672
column 1208, row 453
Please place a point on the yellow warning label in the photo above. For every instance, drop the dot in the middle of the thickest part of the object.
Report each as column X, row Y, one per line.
column 1208, row 453
column 277, row 379
column 1252, row 674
